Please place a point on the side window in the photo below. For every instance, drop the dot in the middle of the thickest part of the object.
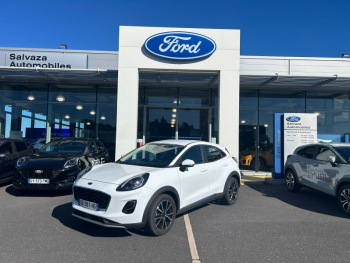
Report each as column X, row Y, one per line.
column 323, row 154
column 221, row 152
column 21, row 146
column 308, row 152
column 299, row 152
column 99, row 146
column 92, row 148
column 195, row 154
column 6, row 148
column 213, row 153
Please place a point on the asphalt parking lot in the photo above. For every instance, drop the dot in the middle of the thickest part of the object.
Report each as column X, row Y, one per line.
column 267, row 224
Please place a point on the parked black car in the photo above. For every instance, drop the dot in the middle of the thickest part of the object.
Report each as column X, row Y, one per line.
column 10, row 151
column 56, row 165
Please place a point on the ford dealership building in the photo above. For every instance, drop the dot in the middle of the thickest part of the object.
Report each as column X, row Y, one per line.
column 170, row 83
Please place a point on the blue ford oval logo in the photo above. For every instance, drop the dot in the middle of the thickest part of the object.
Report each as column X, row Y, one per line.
column 293, row 119
column 89, row 183
column 179, row 45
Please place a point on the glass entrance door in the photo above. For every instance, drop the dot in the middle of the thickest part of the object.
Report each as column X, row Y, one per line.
column 193, row 124
column 175, row 123
column 160, row 124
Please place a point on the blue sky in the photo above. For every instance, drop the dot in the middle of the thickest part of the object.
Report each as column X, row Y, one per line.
column 268, row 27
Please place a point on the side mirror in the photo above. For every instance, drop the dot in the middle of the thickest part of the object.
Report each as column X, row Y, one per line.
column 331, row 159
column 122, row 155
column 185, row 164
column 2, row 155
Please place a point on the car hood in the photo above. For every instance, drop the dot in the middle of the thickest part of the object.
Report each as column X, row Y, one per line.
column 115, row 173
column 47, row 161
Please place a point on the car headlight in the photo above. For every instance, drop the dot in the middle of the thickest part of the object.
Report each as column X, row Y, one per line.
column 83, row 172
column 71, row 163
column 22, row 161
column 133, row 183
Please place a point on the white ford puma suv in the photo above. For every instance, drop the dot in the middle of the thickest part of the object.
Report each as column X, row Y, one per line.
column 149, row 186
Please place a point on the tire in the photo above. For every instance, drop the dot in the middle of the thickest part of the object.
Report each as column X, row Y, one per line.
column 261, row 164
column 230, row 192
column 344, row 198
column 291, row 181
column 161, row 215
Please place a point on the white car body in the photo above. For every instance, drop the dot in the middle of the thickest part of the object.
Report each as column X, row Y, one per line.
column 196, row 185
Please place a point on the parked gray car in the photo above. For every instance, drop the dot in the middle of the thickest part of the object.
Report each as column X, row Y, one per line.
column 324, row 167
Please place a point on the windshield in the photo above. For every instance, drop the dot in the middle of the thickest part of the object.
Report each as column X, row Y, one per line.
column 66, row 147
column 152, row 155
column 344, row 152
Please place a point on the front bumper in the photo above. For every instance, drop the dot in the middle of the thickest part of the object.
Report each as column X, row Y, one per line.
column 112, row 215
column 102, row 221
column 59, row 180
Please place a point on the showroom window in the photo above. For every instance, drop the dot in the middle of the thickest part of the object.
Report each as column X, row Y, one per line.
column 68, row 110
column 257, row 109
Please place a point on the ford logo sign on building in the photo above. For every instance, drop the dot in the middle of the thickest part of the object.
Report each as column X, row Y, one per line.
column 180, row 45
column 293, row 119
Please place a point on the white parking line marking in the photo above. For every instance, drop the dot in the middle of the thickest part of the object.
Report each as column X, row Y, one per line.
column 191, row 242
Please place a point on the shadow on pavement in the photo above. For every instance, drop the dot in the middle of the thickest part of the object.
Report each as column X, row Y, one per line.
column 36, row 193
column 64, row 214
column 307, row 199
column 5, row 184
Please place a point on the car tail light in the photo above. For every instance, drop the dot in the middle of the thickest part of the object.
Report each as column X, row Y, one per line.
column 235, row 159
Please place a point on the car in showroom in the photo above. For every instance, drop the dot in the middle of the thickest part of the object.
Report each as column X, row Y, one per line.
column 10, row 151
column 38, row 143
column 324, row 167
column 247, row 159
column 56, row 165
column 150, row 185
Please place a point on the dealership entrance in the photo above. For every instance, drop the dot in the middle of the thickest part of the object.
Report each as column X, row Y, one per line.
column 178, row 105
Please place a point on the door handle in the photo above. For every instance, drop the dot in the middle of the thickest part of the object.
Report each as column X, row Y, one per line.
column 314, row 164
column 204, row 170
column 225, row 164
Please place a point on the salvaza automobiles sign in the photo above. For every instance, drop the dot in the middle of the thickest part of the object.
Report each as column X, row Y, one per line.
column 45, row 60
column 178, row 45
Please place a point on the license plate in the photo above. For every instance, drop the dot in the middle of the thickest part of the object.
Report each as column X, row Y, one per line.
column 88, row 205
column 38, row 181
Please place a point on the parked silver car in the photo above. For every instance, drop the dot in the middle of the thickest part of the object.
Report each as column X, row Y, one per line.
column 324, row 167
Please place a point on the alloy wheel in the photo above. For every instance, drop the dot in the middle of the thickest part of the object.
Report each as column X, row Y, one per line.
column 232, row 190
column 164, row 215
column 290, row 180
column 345, row 199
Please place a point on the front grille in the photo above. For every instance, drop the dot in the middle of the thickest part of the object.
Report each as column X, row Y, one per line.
column 36, row 173
column 100, row 198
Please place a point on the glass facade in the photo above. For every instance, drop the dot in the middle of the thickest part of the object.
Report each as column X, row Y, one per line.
column 27, row 111
column 257, row 108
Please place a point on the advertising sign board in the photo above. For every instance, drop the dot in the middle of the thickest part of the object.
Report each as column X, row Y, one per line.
column 180, row 45
column 16, row 59
column 299, row 129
